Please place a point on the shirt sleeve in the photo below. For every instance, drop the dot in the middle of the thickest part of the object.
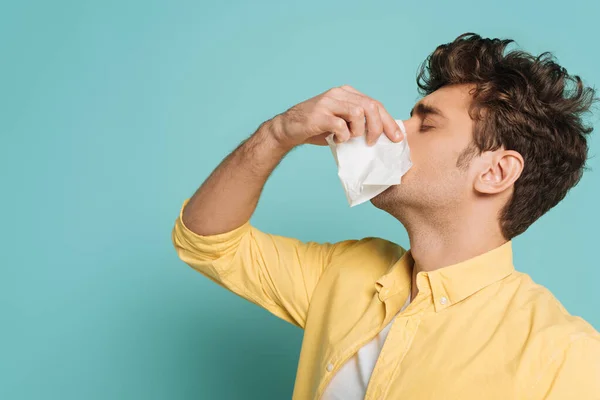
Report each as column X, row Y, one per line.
column 277, row 273
column 573, row 373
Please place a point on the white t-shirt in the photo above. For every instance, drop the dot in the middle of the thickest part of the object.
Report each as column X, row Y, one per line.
column 350, row 382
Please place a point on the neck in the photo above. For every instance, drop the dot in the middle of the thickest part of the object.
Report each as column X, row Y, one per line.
column 437, row 241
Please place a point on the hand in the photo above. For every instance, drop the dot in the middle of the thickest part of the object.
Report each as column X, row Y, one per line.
column 343, row 110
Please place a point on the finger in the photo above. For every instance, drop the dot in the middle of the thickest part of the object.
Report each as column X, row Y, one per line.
column 374, row 122
column 337, row 126
column 351, row 112
column 390, row 127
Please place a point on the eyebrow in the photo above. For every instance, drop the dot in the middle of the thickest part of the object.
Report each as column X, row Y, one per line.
column 423, row 109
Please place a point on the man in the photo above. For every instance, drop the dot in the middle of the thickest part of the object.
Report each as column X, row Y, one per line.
column 496, row 142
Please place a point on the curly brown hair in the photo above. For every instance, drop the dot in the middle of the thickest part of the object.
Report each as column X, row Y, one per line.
column 520, row 102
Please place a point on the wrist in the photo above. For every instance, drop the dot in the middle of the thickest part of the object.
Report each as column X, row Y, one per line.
column 271, row 132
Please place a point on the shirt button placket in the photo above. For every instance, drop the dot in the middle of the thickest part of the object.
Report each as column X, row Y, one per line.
column 383, row 295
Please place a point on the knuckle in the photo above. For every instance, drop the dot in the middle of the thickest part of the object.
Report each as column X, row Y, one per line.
column 372, row 105
column 356, row 111
column 322, row 101
column 346, row 87
column 335, row 90
column 339, row 124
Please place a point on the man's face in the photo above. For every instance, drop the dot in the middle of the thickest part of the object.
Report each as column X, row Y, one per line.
column 437, row 134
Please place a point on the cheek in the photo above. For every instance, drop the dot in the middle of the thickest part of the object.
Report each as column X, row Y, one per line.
column 435, row 171
column 430, row 163
column 434, row 153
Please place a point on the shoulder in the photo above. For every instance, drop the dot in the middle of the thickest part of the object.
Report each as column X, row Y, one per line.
column 362, row 260
column 552, row 339
column 545, row 312
column 368, row 248
column 570, row 370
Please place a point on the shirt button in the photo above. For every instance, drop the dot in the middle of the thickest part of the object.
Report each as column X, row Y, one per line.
column 329, row 367
column 443, row 300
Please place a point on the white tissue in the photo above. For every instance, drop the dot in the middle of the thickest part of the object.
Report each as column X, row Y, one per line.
column 366, row 171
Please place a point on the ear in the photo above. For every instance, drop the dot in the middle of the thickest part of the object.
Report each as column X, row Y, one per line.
column 501, row 171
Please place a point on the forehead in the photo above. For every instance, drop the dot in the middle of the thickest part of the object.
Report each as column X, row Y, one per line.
column 453, row 101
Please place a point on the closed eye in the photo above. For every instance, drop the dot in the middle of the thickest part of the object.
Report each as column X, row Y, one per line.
column 426, row 123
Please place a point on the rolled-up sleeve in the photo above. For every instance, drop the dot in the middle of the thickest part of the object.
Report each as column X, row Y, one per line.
column 277, row 273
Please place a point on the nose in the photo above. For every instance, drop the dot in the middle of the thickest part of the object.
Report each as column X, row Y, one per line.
column 409, row 124
column 409, row 127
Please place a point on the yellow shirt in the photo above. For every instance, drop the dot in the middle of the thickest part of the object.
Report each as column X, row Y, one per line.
column 476, row 330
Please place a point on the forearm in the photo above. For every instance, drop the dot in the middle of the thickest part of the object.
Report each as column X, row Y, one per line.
column 229, row 196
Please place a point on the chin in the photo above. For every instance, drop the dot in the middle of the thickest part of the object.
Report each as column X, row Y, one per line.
column 395, row 200
column 384, row 199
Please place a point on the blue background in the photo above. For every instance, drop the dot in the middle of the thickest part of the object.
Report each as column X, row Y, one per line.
column 113, row 112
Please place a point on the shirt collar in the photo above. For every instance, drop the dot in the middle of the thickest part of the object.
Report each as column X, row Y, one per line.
column 454, row 283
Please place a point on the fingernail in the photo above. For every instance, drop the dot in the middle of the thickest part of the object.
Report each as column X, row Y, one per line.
column 397, row 134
